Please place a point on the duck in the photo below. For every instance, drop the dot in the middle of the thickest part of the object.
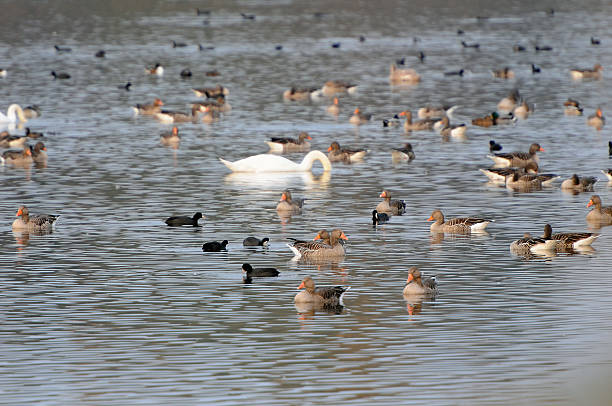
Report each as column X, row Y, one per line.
column 39, row 154
column 332, row 87
column 392, row 122
column 425, row 124
column 359, row 118
column 32, row 112
column 313, row 250
column 579, row 184
column 569, row 241
column 149, row 109
column 299, row 93
column 474, row 45
column 17, row 158
column 171, row 139
column 177, row 221
column 251, row 272
column 517, row 159
column 255, row 242
column 486, row 121
column 168, row 117
column 499, row 175
column 157, row 70
column 285, row 144
column 60, row 49
column 594, row 73
column 334, row 108
column 322, row 296
column 599, row 214
column 186, row 73
column 346, row 155
column 455, row 131
column 509, row 102
column 518, row 48
column 13, row 113
column 406, row 75
column 416, row 285
column 524, row 182
column 454, row 73
column 61, row 75
column 215, row 246
column 608, row 174
column 436, row 112
column 218, row 105
column 100, row 54
column 212, row 73
column 523, row 110
column 403, row 154
column 596, row 120
column 287, row 204
column 543, row 48
column 12, row 141
column 595, row 41
column 178, row 44
column 505, row 73
column 460, row 225
column 572, row 108
column 535, row 69
column 125, row 87
column 274, row 163
column 529, row 244
column 494, row 146
column 38, row 223
column 388, row 206
column 379, row 218
column 211, row 92
column 509, row 118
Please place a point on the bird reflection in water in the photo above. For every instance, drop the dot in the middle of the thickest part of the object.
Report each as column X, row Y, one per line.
column 307, row 311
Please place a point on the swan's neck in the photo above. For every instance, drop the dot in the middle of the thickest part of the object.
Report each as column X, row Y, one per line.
column 313, row 156
column 15, row 108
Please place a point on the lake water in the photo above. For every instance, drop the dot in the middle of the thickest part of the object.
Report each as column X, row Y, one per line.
column 115, row 308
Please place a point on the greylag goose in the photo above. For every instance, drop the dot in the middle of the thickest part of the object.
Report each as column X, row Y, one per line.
column 334, row 108
column 12, row 141
column 211, row 92
column 320, row 250
column 41, row 222
column 454, row 130
column 460, row 225
column 523, row 110
column 286, row 203
column 17, row 158
column 579, row 184
column 218, row 105
column 388, row 206
column 594, row 73
column 176, row 221
column 425, row 124
column 215, row 246
column 332, row 87
column 171, row 139
column 39, row 154
column 529, row 244
column 285, row 144
column 255, row 242
column 599, row 214
column 509, row 103
column 596, row 120
column 299, row 93
column 517, row 159
column 416, row 285
column 525, row 183
column 325, row 295
column 359, row 118
column 251, row 272
column 32, row 134
column 406, row 75
column 403, row 154
column 569, row 241
column 149, row 109
column 166, row 116
column 436, row 112
column 347, row 155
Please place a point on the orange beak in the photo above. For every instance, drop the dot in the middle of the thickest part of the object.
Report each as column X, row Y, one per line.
column 430, row 218
column 343, row 236
column 308, row 137
column 599, row 113
column 329, row 149
column 588, row 205
column 44, row 148
column 410, row 278
column 383, row 194
column 541, row 149
column 301, row 285
column 174, row 130
column 19, row 213
column 356, row 111
column 28, row 152
column 283, row 197
column 336, row 101
column 318, row 237
column 403, row 113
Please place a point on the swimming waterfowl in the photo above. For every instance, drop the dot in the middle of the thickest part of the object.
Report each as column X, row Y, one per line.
column 392, row 122
column 12, row 141
column 486, row 121
column 255, row 242
column 247, row 16
column 579, row 184
column 60, row 49
column 100, row 54
column 518, row 48
column 494, row 146
column 517, row 159
column 569, row 241
column 61, row 75
column 572, row 108
column 460, row 225
column 211, row 92
column 454, row 130
column 213, row 72
column 177, row 221
column 599, row 214
column 209, row 115
column 393, row 207
column 346, row 155
column 425, row 124
column 125, row 87
column 334, row 108
column 41, row 222
column 17, row 158
column 31, row 112
column 332, row 87
column 594, row 73
column 597, row 120
column 539, row 48
column 454, row 73
column 178, row 44
column 359, row 118
column 535, row 68
column 324, row 295
column 155, row 70
column 166, row 116
column 251, row 272
column 522, row 110
column 407, row 75
column 379, row 218
column 39, row 154
column 186, row 73
column 473, row 45
column 403, row 154
column 499, row 175
column 215, row 246
column 170, row 139
column 595, row 41
column 13, row 113
column 436, row 112
column 286, row 144
column 149, row 109
column 319, row 250
column 507, row 119
column 608, row 173
column 505, row 73
column 524, row 183
column 416, row 285
column 299, row 93
column 286, row 203
column 509, row 102
column 218, row 105
column 529, row 244
column 275, row 163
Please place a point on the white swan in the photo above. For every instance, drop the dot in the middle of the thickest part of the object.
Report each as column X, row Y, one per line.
column 11, row 117
column 275, row 163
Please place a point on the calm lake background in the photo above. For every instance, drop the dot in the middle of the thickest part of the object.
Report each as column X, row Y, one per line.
column 115, row 308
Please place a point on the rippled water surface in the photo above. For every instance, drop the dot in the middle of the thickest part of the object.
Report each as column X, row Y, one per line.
column 115, row 308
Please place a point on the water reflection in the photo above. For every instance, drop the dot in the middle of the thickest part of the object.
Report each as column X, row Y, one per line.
column 307, row 311
column 278, row 180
